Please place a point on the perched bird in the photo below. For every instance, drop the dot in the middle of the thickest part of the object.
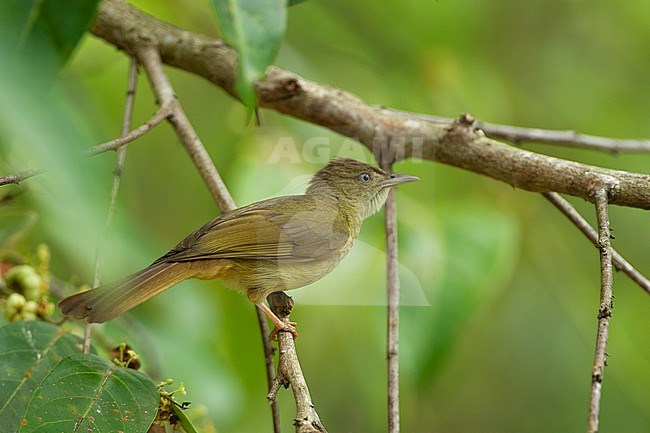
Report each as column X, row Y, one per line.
column 273, row 245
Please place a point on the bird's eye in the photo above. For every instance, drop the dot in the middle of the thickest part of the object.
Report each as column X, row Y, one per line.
column 364, row 177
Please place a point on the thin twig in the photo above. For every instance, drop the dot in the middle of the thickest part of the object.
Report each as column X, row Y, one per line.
column 160, row 115
column 162, row 87
column 20, row 176
column 129, row 103
column 119, row 163
column 619, row 261
column 605, row 308
column 393, row 295
column 88, row 330
column 290, row 373
column 520, row 135
column 270, row 373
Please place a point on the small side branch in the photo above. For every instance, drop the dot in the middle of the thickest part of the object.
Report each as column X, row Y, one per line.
column 16, row 178
column 520, row 135
column 619, row 261
column 605, row 308
column 160, row 115
column 270, row 373
column 290, row 373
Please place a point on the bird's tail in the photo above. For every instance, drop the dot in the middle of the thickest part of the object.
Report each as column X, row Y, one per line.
column 110, row 300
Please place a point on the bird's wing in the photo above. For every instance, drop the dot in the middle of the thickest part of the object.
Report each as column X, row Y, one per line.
column 267, row 231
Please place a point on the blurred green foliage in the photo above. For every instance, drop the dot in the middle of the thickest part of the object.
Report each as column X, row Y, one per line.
column 501, row 291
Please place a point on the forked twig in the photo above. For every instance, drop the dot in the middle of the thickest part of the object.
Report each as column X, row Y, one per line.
column 619, row 261
column 605, row 308
column 163, row 112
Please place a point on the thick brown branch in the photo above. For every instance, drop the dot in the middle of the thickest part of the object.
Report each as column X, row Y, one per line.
column 381, row 130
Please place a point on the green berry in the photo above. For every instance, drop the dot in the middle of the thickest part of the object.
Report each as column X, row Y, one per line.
column 26, row 280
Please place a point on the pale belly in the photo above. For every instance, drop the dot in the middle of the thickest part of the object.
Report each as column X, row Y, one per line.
column 260, row 278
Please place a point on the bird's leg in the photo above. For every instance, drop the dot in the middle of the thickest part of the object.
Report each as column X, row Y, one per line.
column 280, row 325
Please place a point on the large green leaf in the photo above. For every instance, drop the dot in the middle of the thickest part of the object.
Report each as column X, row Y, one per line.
column 87, row 393
column 255, row 29
column 46, row 29
column 28, row 352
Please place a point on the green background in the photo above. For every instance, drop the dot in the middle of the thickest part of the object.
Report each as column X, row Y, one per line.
column 500, row 291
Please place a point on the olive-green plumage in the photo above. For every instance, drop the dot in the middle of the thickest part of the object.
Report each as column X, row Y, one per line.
column 278, row 244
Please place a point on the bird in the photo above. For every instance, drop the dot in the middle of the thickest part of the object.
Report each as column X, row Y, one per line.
column 277, row 244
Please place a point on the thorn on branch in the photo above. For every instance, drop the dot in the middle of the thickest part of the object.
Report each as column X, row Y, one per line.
column 466, row 119
column 463, row 129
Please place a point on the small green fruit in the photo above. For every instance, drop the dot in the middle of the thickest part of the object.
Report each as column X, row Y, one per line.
column 26, row 280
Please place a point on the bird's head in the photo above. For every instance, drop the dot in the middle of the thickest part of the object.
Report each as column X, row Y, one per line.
column 358, row 186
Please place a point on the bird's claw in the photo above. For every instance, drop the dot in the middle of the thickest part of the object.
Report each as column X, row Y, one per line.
column 283, row 327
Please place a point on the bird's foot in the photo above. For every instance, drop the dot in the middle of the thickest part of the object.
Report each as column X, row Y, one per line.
column 281, row 326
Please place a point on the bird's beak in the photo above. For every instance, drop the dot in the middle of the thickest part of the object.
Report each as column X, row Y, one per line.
column 397, row 179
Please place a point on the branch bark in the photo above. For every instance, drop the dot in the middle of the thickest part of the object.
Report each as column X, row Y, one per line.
column 381, row 130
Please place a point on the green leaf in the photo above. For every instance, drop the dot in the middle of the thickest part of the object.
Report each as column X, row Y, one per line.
column 255, row 29
column 87, row 393
column 46, row 29
column 295, row 2
column 28, row 351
